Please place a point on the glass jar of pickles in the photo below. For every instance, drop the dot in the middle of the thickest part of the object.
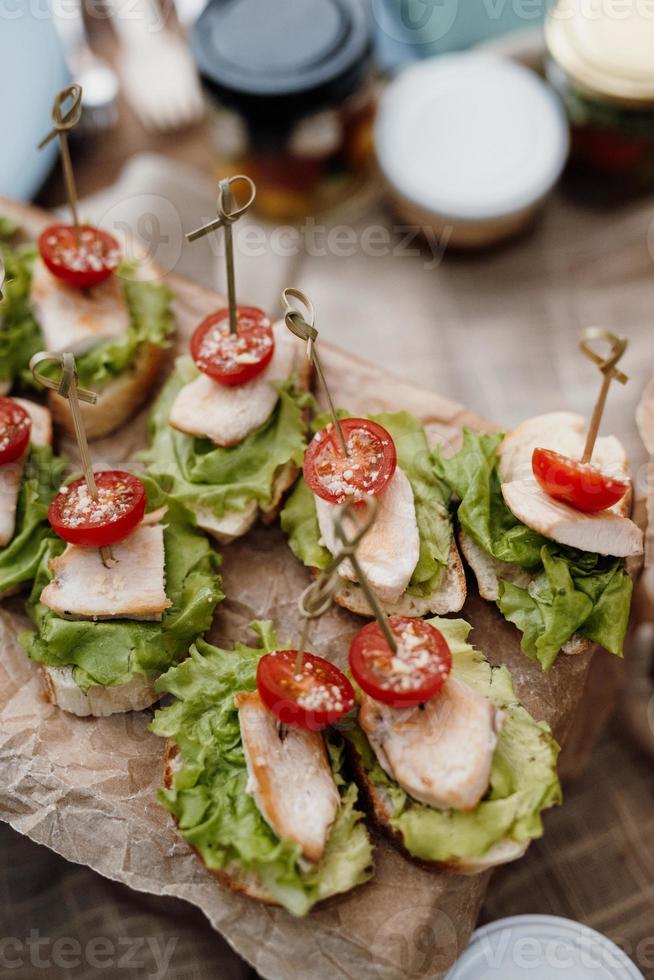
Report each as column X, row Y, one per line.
column 601, row 61
column 291, row 97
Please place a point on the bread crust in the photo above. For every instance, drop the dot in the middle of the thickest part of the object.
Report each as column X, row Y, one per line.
column 449, row 597
column 119, row 399
column 100, row 702
column 233, row 880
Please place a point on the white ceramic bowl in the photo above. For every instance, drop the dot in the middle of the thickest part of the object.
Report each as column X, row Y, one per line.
column 542, row 947
column 470, row 144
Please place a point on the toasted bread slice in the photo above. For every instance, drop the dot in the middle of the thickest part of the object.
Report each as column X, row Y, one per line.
column 233, row 877
column 489, row 570
column 448, row 597
column 515, row 452
column 97, row 701
column 380, row 808
column 118, row 400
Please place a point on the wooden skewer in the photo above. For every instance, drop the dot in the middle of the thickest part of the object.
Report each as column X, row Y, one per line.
column 68, row 387
column 306, row 330
column 63, row 121
column 350, row 546
column 318, row 597
column 228, row 212
column 607, row 366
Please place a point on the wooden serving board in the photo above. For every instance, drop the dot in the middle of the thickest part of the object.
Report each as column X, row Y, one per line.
column 86, row 787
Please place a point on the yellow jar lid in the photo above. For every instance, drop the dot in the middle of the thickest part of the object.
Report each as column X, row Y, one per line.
column 605, row 46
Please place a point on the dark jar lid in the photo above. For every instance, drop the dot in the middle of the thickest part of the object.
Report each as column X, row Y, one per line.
column 282, row 56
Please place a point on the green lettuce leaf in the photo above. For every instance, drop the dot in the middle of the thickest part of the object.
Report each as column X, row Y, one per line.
column 110, row 652
column 209, row 798
column 572, row 592
column 473, row 477
column 523, row 780
column 204, row 476
column 431, row 496
column 20, row 335
column 42, row 478
column 151, row 322
column 8, row 226
column 565, row 599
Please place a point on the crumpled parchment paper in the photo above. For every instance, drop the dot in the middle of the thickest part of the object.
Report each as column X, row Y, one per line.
column 87, row 787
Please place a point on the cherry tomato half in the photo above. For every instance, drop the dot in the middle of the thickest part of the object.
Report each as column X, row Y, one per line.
column 364, row 472
column 79, row 519
column 580, row 485
column 412, row 675
column 79, row 263
column 234, row 358
column 316, row 697
column 15, row 429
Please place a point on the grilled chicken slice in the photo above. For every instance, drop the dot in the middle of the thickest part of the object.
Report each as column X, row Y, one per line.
column 563, row 432
column 440, row 754
column 605, row 533
column 11, row 474
column 227, row 414
column 41, row 434
column 609, row 532
column 77, row 319
column 289, row 777
column 133, row 588
column 11, row 477
column 389, row 551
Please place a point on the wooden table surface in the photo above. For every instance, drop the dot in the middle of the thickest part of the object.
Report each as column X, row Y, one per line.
column 498, row 332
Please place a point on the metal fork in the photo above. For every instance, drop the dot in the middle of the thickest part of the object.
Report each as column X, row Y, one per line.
column 156, row 68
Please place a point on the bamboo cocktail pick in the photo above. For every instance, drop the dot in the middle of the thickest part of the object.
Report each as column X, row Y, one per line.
column 297, row 322
column 64, row 118
column 68, row 388
column 229, row 211
column 318, row 597
column 608, row 367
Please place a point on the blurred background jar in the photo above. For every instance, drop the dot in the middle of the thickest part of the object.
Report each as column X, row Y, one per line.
column 292, row 99
column 601, row 62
